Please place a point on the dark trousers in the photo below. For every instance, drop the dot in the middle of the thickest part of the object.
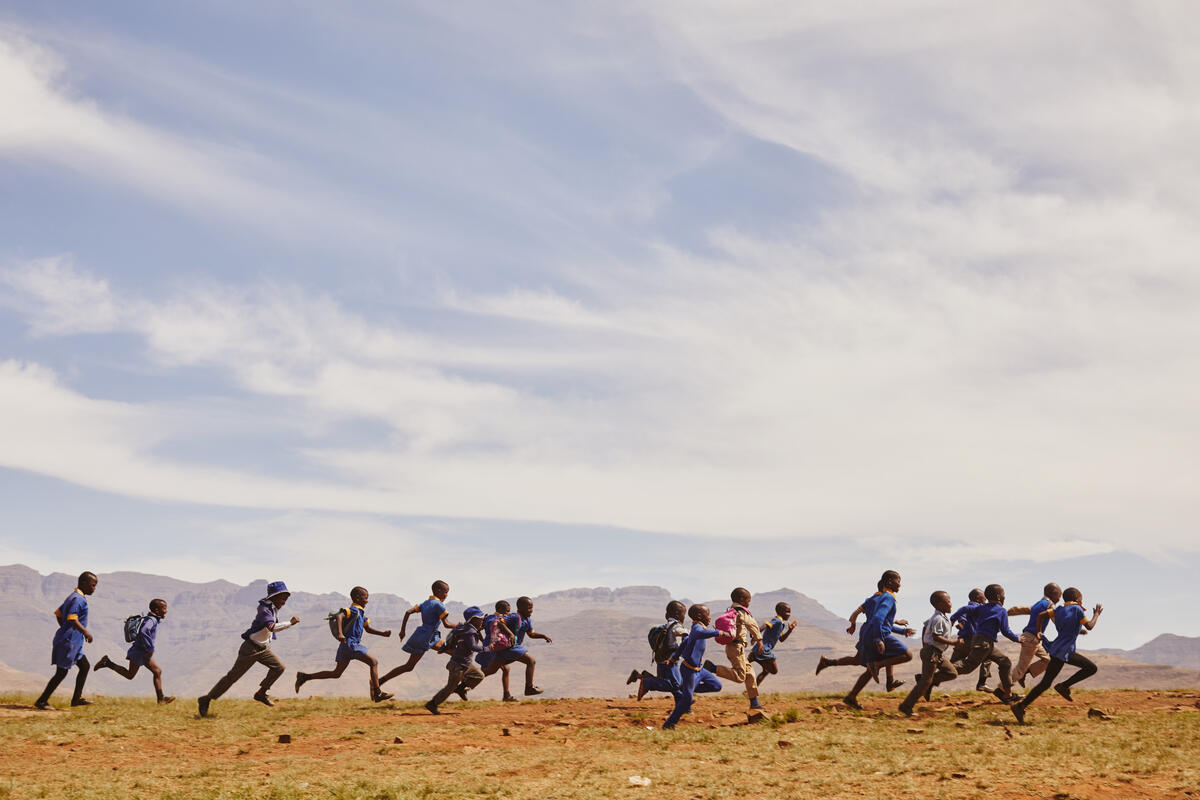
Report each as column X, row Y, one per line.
column 935, row 669
column 467, row 677
column 1086, row 670
column 981, row 650
column 248, row 655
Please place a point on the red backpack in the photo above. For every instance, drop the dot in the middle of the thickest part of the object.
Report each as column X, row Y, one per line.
column 727, row 625
column 498, row 639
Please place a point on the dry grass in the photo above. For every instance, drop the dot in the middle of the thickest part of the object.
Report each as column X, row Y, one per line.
column 343, row 748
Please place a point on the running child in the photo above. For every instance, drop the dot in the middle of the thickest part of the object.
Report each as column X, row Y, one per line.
column 964, row 618
column 521, row 625
column 1070, row 619
column 877, row 644
column 745, row 632
column 1034, row 659
column 256, row 648
column 777, row 630
column 498, row 638
column 990, row 620
column 427, row 636
column 936, row 635
column 349, row 625
column 855, row 659
column 690, row 657
column 67, row 649
column 463, row 643
column 141, row 652
column 667, row 677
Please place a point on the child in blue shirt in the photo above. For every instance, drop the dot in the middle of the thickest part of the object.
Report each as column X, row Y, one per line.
column 1034, row 658
column 667, row 677
column 350, row 624
column 1070, row 620
column 878, row 647
column 690, row 657
column 856, row 659
column 989, row 621
column 521, row 626
column 777, row 630
column 498, row 638
column 464, row 642
column 67, row 648
column 141, row 652
column 427, row 636
column 966, row 629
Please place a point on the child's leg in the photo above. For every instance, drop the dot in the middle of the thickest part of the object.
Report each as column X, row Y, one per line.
column 407, row 666
column 1047, row 680
column 706, row 682
column 507, row 695
column 769, row 668
column 852, row 698
column 125, row 672
column 530, row 662
column 51, row 685
column 928, row 665
column 683, row 698
column 304, row 677
column 1086, row 670
column 80, row 679
column 1005, row 665
column 844, row 661
column 373, row 666
column 156, row 673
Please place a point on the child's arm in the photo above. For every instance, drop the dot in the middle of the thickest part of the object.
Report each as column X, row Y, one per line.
column 1043, row 618
column 1087, row 623
column 854, row 619
column 404, row 622
column 1007, row 631
column 341, row 620
column 536, row 635
column 1020, row 611
column 788, row 631
column 367, row 627
column 504, row 629
column 446, row 620
column 74, row 622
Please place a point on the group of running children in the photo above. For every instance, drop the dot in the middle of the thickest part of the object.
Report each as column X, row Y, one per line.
column 952, row 644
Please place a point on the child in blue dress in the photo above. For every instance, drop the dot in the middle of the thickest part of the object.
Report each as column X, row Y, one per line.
column 521, row 626
column 1070, row 620
column 878, row 647
column 141, row 652
column 350, row 625
column 67, row 649
column 498, row 639
column 427, row 636
column 774, row 632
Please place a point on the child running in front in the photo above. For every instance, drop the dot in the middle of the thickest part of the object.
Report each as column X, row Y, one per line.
column 878, row 647
column 521, row 626
column 936, row 635
column 777, row 630
column 855, row 659
column 1070, row 619
column 349, row 625
column 464, row 642
column 427, row 636
column 990, row 620
column 141, row 652
column 690, row 657
column 745, row 632
column 667, row 675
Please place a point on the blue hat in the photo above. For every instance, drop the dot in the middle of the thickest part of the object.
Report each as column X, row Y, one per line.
column 276, row 587
column 471, row 613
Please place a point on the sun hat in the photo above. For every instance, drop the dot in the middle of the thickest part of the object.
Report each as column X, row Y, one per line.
column 275, row 588
column 471, row 613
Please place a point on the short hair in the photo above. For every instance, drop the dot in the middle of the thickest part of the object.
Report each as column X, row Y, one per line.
column 502, row 607
column 697, row 611
column 781, row 607
column 84, row 576
column 674, row 606
column 524, row 601
column 933, row 597
column 440, row 586
column 358, row 591
column 157, row 602
column 993, row 592
column 879, row 584
column 976, row 596
column 1049, row 587
column 889, row 574
column 1072, row 595
column 740, row 595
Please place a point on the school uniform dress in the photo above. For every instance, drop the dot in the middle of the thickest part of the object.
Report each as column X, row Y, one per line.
column 770, row 637
column 256, row 649
column 1068, row 620
column 690, row 657
column 142, row 649
column 67, row 648
column 352, row 628
column 429, row 631
column 935, row 666
column 466, row 642
column 1032, row 651
column 878, row 628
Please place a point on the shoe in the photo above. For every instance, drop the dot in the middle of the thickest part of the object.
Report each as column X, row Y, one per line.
column 1021, row 681
column 382, row 696
column 853, row 703
column 508, row 698
column 908, row 712
column 983, row 687
column 755, row 715
column 928, row 693
column 42, row 705
column 633, row 677
column 202, row 703
column 432, row 707
column 894, row 685
column 709, row 665
column 667, row 727
column 999, row 694
column 1018, row 711
column 104, row 663
column 822, row 663
column 261, row 697
column 81, row 702
column 167, row 699
column 301, row 679
column 530, row 691
column 641, row 690
column 1064, row 690
column 460, row 691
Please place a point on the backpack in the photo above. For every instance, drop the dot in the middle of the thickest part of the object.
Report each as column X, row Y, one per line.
column 727, row 625
column 332, row 618
column 133, row 626
column 659, row 638
column 498, row 639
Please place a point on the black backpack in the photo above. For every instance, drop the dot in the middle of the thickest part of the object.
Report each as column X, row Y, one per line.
column 133, row 626
column 659, row 638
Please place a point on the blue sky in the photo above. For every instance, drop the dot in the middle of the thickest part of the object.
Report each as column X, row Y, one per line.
column 532, row 297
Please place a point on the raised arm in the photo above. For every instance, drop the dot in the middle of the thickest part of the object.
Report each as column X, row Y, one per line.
column 1091, row 623
column 788, row 631
column 369, row 629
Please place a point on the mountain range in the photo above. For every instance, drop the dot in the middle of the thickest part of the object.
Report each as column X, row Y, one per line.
column 599, row 635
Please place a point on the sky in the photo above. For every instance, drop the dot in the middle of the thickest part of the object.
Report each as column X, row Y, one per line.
column 530, row 297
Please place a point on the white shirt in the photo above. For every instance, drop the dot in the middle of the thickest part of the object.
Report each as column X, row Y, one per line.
column 263, row 637
column 937, row 625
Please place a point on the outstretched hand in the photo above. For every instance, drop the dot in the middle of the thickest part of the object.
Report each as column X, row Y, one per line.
column 1097, row 609
column 295, row 620
column 851, row 628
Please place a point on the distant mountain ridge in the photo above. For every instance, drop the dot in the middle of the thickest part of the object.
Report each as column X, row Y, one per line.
column 599, row 636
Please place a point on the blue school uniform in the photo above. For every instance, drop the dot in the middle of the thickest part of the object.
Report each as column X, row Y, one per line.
column 264, row 617
column 689, row 656
column 428, row 632
column 1067, row 620
column 142, row 649
column 877, row 628
column 68, row 640
column 966, row 615
column 1034, row 625
column 991, row 620
column 352, row 629
column 770, row 637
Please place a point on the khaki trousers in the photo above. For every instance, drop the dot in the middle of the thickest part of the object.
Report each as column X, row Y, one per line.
column 739, row 668
column 1031, row 648
column 248, row 655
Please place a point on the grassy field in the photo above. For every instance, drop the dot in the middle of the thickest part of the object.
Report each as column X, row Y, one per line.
column 961, row 745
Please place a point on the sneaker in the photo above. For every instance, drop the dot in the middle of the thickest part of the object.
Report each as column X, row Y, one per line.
column 852, row 702
column 999, row 694
column 42, row 705
column 167, row 699
column 983, row 687
column 894, row 685
column 460, row 691
column 633, row 677
column 755, row 715
column 432, row 707
column 1021, row 681
column 508, row 698
column 1018, row 710
column 81, row 702
column 642, row 690
column 530, row 691
column 202, row 703
column 822, row 663
column 104, row 663
column 708, row 665
column 908, row 712
column 1064, row 690
column 667, row 727
column 301, row 679
column 261, row 697
column 382, row 696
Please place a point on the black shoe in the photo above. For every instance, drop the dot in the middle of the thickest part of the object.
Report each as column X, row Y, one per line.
column 261, row 696
column 381, row 696
column 894, row 684
column 1007, row 699
column 1021, row 681
column 202, row 704
column 301, row 679
column 708, row 665
column 104, row 663
column 1018, row 711
column 81, row 702
column 460, row 691
column 633, row 677
column 1064, row 690
column 853, row 703
column 530, row 691
column 42, row 705
column 908, row 712
column 432, row 708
